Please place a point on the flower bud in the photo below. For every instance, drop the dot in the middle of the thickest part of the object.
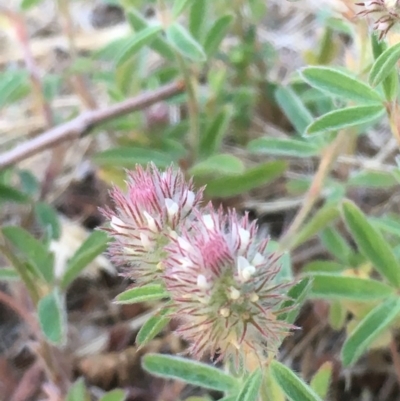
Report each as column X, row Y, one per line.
column 155, row 206
column 223, row 287
column 385, row 13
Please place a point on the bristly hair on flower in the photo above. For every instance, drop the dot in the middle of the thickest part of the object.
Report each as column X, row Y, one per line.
column 386, row 13
column 221, row 280
column 155, row 207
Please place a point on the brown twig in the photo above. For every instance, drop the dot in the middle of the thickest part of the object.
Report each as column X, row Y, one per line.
column 81, row 125
column 18, row 309
column 314, row 192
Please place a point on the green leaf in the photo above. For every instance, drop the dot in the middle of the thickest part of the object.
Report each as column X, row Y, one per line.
column 323, row 266
column 136, row 42
column 8, row 274
column 344, row 118
column 283, row 147
column 52, row 317
column 9, row 194
column 285, row 272
column 294, row 108
column 29, row 183
column 251, row 387
column 294, row 388
column 384, row 65
column 297, row 295
column 179, row 7
column 389, row 224
column 370, row 328
column 128, row 157
column 338, row 83
column 159, row 44
column 391, row 83
column 114, row 395
column 272, row 390
column 220, row 164
column 322, row 218
column 14, row 85
column 153, row 327
column 198, row 18
column 150, row 292
column 371, row 243
column 93, row 246
column 188, row 371
column 184, row 43
column 216, row 34
column 336, row 244
column 211, row 141
column 378, row 46
column 48, row 219
column 337, row 315
column 372, row 179
column 34, row 251
column 333, row 286
column 27, row 4
column 321, row 380
column 77, row 392
column 200, row 399
column 252, row 178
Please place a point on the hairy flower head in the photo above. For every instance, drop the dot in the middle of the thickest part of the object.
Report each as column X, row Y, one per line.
column 155, row 206
column 386, row 14
column 221, row 280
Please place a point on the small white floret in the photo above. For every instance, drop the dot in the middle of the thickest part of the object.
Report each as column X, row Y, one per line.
column 224, row 312
column 172, row 208
column 202, row 282
column 208, row 221
column 151, row 223
column 146, row 243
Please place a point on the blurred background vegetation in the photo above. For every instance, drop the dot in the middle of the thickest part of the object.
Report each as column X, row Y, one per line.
column 234, row 120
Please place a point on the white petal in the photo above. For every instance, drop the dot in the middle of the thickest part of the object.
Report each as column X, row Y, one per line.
column 254, row 297
column 258, row 259
column 248, row 272
column 117, row 225
column 202, row 282
column 172, row 208
column 242, row 263
column 173, row 234
column 388, row 3
column 190, row 196
column 245, row 269
column 185, row 245
column 235, row 294
column 145, row 241
column 151, row 223
column 185, row 263
column 244, row 236
column 225, row 312
column 208, row 221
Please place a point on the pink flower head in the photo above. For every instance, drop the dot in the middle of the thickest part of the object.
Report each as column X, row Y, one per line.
column 221, row 280
column 155, row 207
column 386, row 13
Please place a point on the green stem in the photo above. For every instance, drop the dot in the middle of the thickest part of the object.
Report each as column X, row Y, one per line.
column 192, row 106
column 56, row 375
column 393, row 120
column 22, row 272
